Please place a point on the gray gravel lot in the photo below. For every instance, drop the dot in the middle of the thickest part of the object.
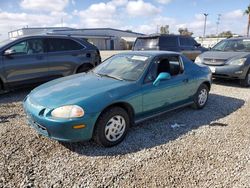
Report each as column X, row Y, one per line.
column 211, row 148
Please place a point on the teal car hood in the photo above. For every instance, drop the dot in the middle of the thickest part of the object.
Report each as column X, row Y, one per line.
column 76, row 89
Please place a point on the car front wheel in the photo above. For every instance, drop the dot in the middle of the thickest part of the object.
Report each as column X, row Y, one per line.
column 246, row 82
column 111, row 127
column 201, row 97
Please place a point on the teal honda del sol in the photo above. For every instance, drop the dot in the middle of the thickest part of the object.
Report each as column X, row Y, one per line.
column 125, row 89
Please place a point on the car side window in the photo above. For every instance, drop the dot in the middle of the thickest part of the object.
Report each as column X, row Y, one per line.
column 35, row 46
column 59, row 45
column 184, row 41
column 19, row 48
column 31, row 46
column 152, row 73
column 171, row 64
column 168, row 41
column 176, row 65
column 192, row 42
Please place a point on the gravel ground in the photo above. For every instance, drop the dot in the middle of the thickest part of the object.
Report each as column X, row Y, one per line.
column 210, row 148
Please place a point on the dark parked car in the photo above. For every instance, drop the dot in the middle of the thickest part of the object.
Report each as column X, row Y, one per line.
column 36, row 59
column 177, row 43
column 230, row 58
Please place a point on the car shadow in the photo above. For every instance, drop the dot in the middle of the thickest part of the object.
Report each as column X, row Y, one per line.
column 163, row 129
column 227, row 82
column 14, row 95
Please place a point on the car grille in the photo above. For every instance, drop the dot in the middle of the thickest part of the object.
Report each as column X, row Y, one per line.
column 208, row 61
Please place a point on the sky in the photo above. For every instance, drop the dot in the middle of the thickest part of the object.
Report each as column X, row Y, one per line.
column 143, row 16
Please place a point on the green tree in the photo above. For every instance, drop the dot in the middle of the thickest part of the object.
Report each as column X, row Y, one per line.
column 247, row 12
column 184, row 31
column 226, row 34
column 164, row 29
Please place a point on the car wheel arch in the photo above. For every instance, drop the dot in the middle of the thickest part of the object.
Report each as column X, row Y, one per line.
column 124, row 105
column 207, row 84
column 87, row 65
column 1, row 84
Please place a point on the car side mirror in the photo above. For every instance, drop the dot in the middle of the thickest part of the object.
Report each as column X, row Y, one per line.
column 9, row 52
column 160, row 77
column 197, row 45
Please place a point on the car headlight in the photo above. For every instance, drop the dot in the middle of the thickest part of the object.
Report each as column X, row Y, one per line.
column 70, row 111
column 197, row 59
column 240, row 61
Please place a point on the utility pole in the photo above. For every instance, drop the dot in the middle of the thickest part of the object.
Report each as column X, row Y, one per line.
column 62, row 22
column 217, row 24
column 205, row 25
column 157, row 29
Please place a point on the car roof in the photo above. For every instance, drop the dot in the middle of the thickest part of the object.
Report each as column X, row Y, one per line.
column 150, row 53
column 46, row 36
column 238, row 38
column 162, row 35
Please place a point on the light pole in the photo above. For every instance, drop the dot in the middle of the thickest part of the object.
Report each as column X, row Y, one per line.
column 217, row 24
column 205, row 25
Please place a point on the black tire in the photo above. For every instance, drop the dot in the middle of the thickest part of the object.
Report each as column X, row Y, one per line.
column 246, row 82
column 84, row 68
column 105, row 127
column 1, row 88
column 201, row 97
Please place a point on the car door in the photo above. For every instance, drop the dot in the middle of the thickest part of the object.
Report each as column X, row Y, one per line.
column 196, row 48
column 64, row 56
column 185, row 47
column 169, row 93
column 26, row 62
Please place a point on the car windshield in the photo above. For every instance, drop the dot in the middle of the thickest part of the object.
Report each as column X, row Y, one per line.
column 4, row 42
column 239, row 45
column 123, row 67
column 146, row 43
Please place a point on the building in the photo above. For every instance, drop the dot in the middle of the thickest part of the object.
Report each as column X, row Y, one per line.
column 103, row 38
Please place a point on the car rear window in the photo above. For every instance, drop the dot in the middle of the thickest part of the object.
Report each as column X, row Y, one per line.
column 146, row 43
column 57, row 45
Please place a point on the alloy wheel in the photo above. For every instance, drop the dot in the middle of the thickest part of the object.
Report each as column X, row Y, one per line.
column 115, row 128
column 202, row 97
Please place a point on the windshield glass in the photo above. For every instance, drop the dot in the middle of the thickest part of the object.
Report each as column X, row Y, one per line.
column 4, row 42
column 239, row 45
column 146, row 43
column 123, row 67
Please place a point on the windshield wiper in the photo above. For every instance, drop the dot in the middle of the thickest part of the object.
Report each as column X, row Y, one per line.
column 109, row 76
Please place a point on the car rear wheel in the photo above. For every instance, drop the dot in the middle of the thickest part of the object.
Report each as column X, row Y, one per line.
column 84, row 68
column 112, row 126
column 246, row 82
column 1, row 87
column 201, row 97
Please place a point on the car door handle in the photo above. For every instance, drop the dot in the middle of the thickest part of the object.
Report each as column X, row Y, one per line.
column 185, row 80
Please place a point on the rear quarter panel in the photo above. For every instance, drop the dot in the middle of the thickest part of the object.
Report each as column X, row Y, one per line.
column 197, row 74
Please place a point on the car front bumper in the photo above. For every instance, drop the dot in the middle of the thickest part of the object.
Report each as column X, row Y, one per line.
column 229, row 71
column 60, row 129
